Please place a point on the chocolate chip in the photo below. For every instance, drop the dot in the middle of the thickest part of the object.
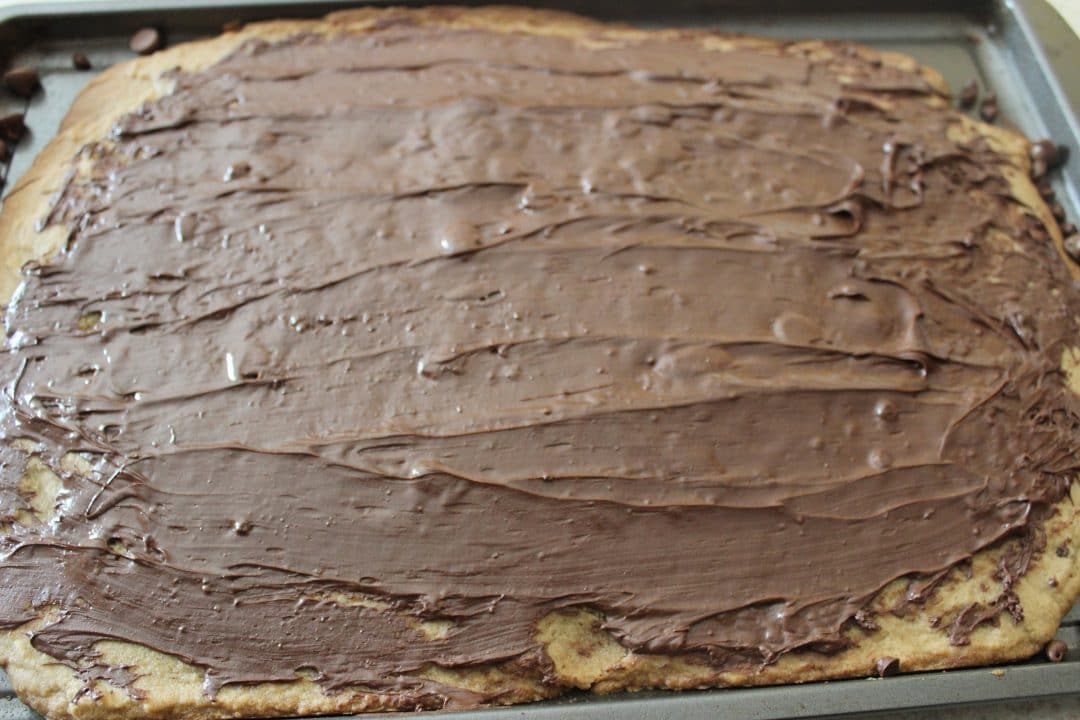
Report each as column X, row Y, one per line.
column 22, row 81
column 1062, row 550
column 1068, row 229
column 988, row 108
column 1047, row 151
column 80, row 62
column 1045, row 156
column 232, row 26
column 12, row 127
column 887, row 666
column 969, row 94
column 146, row 41
column 1072, row 249
column 1056, row 651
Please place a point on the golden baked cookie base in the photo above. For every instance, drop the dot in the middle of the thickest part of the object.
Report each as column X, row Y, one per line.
column 581, row 653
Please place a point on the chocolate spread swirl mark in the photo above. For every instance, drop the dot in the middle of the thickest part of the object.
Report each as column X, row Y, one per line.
column 152, row 400
column 745, row 385
column 814, row 354
column 90, row 512
column 495, row 67
column 365, row 457
column 11, row 390
column 125, row 129
column 975, row 314
column 535, row 421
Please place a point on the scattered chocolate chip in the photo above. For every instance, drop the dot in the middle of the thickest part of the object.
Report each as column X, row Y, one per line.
column 12, row 127
column 22, row 81
column 80, row 62
column 1052, row 582
column 1062, row 550
column 1072, row 249
column 232, row 26
column 887, row 666
column 969, row 94
column 1045, row 156
column 146, row 41
column 1045, row 150
column 1068, row 229
column 988, row 108
column 1056, row 650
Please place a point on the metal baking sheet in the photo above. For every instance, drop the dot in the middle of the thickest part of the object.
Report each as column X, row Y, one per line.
column 1021, row 49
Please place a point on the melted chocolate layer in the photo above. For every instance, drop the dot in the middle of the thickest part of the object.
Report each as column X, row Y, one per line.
column 487, row 325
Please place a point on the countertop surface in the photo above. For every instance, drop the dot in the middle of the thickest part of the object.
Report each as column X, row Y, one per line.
column 1061, row 708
